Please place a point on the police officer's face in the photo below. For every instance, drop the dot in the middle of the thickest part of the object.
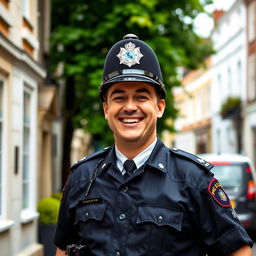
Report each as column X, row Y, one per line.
column 132, row 110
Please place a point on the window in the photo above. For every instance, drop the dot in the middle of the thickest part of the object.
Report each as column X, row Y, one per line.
column 29, row 153
column 207, row 104
column 218, row 136
column 198, row 102
column 252, row 21
column 239, row 77
column 229, row 81
column 26, row 5
column 1, row 148
column 26, row 148
column 219, row 90
column 252, row 77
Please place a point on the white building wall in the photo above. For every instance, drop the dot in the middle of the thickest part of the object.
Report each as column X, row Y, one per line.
column 18, row 226
column 249, row 125
column 186, row 141
column 229, row 72
column 249, row 139
column 193, row 100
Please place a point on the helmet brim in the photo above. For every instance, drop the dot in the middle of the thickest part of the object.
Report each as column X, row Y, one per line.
column 131, row 78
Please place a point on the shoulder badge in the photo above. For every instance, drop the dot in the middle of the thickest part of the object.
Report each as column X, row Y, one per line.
column 86, row 158
column 129, row 55
column 218, row 193
column 192, row 157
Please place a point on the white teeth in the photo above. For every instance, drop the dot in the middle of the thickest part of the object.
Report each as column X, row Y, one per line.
column 130, row 120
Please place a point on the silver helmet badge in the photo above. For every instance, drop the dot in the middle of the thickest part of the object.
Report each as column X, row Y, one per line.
column 129, row 55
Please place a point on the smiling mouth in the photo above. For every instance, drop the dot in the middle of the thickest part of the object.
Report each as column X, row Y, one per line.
column 131, row 120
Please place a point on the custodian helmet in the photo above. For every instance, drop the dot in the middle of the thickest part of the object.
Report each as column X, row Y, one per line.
column 131, row 60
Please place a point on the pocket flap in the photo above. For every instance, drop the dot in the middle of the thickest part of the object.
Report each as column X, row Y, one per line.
column 90, row 211
column 160, row 216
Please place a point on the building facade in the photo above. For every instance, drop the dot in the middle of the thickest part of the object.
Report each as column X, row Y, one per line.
column 193, row 100
column 27, row 111
column 229, row 77
column 249, row 140
column 230, row 128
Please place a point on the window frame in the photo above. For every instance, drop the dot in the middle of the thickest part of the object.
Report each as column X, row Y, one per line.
column 29, row 213
column 251, row 94
column 26, row 148
column 1, row 151
column 3, row 141
column 252, row 21
column 26, row 9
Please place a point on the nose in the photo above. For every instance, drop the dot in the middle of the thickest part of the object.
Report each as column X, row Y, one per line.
column 130, row 105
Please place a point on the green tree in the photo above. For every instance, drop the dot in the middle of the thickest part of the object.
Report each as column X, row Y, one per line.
column 83, row 32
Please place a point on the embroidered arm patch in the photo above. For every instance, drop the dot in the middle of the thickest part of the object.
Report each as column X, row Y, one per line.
column 218, row 193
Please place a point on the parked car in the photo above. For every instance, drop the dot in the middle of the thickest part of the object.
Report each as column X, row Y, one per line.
column 237, row 176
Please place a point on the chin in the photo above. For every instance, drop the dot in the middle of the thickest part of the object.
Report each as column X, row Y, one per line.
column 129, row 138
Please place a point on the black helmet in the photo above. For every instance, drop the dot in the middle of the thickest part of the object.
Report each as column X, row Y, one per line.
column 131, row 60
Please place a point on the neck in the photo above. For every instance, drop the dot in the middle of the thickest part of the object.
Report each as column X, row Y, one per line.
column 132, row 148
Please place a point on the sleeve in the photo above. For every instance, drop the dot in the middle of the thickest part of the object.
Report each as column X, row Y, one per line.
column 220, row 229
column 66, row 232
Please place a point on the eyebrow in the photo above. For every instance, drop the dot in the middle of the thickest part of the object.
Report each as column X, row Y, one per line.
column 116, row 91
column 142, row 90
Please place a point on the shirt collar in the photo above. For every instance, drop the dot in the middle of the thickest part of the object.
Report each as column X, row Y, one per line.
column 157, row 159
column 139, row 160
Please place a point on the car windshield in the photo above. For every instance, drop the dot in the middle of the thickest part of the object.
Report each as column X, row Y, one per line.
column 230, row 176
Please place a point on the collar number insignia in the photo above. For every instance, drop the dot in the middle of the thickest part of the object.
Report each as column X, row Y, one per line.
column 161, row 166
column 129, row 55
column 218, row 193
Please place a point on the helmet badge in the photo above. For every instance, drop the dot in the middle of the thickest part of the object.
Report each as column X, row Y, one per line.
column 129, row 55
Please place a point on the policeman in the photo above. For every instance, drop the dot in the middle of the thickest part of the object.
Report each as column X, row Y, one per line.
column 139, row 197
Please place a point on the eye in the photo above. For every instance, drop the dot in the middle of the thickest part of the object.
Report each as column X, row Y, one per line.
column 142, row 97
column 118, row 98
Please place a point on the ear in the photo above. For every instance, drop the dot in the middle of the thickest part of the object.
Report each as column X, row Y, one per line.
column 105, row 109
column 161, row 107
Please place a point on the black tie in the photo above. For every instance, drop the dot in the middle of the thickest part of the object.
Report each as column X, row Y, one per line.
column 129, row 166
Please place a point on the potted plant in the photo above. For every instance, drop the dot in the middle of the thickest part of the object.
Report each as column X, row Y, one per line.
column 231, row 108
column 48, row 209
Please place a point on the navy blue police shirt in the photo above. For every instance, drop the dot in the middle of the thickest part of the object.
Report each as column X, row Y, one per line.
column 171, row 206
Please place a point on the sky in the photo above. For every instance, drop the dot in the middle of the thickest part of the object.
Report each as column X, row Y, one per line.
column 204, row 23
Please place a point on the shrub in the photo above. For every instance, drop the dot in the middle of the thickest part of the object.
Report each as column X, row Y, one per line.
column 231, row 105
column 57, row 195
column 48, row 209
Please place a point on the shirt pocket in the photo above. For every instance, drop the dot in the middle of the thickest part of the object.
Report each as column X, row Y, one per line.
column 90, row 212
column 160, row 217
column 160, row 228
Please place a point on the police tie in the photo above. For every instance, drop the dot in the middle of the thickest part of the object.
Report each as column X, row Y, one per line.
column 129, row 166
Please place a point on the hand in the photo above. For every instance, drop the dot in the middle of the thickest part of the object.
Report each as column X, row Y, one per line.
column 243, row 251
column 60, row 252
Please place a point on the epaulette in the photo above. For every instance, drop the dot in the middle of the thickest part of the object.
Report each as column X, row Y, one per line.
column 89, row 157
column 199, row 161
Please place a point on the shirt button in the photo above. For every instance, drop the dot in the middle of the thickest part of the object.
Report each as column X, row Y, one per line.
column 122, row 216
column 87, row 214
column 117, row 254
column 160, row 219
column 125, row 189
